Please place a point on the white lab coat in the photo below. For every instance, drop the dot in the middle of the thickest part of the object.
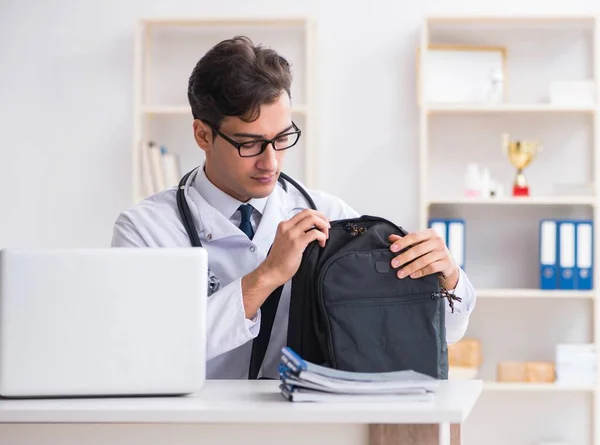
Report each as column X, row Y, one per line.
column 155, row 222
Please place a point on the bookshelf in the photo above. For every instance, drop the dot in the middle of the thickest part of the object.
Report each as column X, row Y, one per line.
column 507, row 108
column 517, row 201
column 533, row 293
column 166, row 51
column 514, row 319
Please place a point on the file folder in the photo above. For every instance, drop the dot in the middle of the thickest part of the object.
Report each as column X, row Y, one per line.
column 456, row 241
column 440, row 227
column 584, row 255
column 566, row 255
column 452, row 231
column 548, row 254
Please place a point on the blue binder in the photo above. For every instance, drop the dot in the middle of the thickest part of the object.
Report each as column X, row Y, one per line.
column 453, row 233
column 548, row 254
column 567, row 242
column 584, row 255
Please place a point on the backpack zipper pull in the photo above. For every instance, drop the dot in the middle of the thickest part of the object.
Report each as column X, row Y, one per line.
column 444, row 293
column 354, row 229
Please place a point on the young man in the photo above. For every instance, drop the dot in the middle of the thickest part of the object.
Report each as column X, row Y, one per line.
column 240, row 100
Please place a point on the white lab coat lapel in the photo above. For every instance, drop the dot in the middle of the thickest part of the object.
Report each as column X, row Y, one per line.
column 209, row 221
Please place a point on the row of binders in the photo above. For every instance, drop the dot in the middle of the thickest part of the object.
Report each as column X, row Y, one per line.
column 452, row 231
column 304, row 381
column 159, row 168
column 566, row 254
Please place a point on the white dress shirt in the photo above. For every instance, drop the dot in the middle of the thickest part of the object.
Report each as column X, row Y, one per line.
column 155, row 222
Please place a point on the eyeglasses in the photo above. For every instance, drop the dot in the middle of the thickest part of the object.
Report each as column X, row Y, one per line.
column 256, row 147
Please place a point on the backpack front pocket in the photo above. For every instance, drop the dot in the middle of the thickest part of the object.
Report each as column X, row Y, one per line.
column 381, row 322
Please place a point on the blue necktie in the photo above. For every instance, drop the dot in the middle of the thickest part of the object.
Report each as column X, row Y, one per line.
column 246, row 225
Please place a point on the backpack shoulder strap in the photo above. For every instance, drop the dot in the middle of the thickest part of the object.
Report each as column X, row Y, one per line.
column 260, row 343
column 269, row 307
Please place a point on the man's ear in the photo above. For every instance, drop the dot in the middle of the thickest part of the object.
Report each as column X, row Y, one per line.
column 203, row 135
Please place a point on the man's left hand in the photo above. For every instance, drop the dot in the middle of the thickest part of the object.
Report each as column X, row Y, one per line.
column 430, row 255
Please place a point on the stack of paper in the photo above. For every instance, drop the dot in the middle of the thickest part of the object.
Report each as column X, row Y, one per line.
column 303, row 381
column 576, row 364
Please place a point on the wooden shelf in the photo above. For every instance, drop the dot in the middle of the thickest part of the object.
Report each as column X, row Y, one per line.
column 525, row 200
column 535, row 293
column 185, row 110
column 226, row 21
column 510, row 19
column 148, row 114
column 506, row 108
column 167, row 109
column 551, row 387
column 525, row 113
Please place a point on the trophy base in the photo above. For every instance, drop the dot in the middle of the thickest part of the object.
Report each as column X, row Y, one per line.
column 519, row 190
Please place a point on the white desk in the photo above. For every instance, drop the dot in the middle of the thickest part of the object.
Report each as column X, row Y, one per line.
column 236, row 412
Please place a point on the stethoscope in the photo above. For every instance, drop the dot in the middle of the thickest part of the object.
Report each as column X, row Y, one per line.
column 214, row 283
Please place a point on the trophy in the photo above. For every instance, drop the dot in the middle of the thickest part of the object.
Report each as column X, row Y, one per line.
column 520, row 154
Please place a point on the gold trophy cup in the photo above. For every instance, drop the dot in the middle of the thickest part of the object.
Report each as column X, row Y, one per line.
column 520, row 154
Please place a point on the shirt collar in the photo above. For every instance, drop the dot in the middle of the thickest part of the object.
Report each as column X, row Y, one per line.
column 226, row 205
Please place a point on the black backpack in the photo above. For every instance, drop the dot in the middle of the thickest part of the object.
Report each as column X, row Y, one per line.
column 349, row 311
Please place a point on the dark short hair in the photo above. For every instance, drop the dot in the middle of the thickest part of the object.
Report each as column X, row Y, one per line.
column 235, row 78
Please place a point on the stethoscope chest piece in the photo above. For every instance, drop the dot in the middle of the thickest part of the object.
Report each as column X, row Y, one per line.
column 213, row 283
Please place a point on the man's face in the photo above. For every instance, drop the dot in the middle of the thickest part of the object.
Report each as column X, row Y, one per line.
column 248, row 177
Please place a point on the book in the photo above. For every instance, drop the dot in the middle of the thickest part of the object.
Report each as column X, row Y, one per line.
column 160, row 169
column 307, row 395
column 302, row 380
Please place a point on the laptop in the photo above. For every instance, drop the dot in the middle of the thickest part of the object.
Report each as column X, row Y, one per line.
column 102, row 322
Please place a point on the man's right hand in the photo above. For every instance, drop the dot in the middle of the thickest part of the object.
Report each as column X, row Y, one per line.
column 283, row 261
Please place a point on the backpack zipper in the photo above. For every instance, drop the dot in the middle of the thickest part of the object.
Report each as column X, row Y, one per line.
column 444, row 293
column 396, row 300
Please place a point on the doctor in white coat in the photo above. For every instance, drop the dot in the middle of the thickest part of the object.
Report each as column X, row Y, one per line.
column 241, row 103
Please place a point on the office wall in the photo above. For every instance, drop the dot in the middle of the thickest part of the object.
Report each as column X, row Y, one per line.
column 66, row 123
column 66, row 106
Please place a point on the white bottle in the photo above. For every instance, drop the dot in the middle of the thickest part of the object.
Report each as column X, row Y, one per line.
column 496, row 91
column 472, row 180
column 486, row 183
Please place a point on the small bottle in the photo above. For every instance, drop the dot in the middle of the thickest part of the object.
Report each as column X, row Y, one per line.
column 486, row 183
column 472, row 180
column 496, row 92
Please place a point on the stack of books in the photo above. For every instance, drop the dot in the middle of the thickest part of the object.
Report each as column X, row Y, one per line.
column 160, row 169
column 303, row 381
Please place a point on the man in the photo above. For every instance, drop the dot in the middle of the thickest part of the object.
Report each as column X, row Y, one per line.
column 241, row 103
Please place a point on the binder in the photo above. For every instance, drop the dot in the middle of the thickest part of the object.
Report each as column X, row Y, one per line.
column 440, row 227
column 170, row 167
column 452, row 231
column 456, row 241
column 566, row 254
column 548, row 254
column 584, row 255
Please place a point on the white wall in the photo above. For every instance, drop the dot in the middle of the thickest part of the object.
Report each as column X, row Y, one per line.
column 66, row 106
column 66, row 114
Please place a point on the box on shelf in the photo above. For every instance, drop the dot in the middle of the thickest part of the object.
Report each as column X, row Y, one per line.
column 526, row 372
column 464, row 359
column 576, row 363
column 572, row 93
column 465, row 353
